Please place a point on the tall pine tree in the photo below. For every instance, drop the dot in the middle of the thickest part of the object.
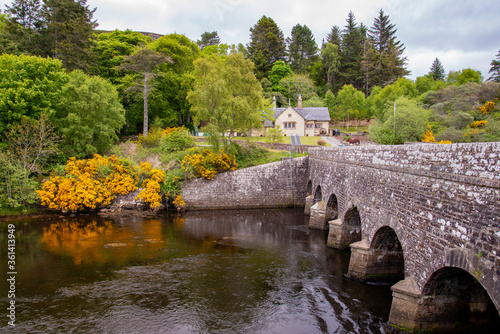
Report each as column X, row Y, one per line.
column 68, row 31
column 495, row 69
column 351, row 52
column 383, row 61
column 267, row 45
column 302, row 49
column 437, row 70
column 24, row 24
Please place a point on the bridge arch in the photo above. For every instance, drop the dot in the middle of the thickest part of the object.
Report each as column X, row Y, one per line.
column 318, row 195
column 332, row 208
column 309, row 189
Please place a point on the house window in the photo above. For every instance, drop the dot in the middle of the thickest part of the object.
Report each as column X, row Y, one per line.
column 289, row 115
column 309, row 126
column 289, row 125
column 318, row 125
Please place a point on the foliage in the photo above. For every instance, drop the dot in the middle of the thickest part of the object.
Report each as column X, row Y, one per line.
column 279, row 71
column 331, row 61
column 32, row 143
column 208, row 38
column 437, row 70
column 176, row 139
column 350, row 103
column 17, row 189
column 321, row 142
column 274, row 135
column 351, row 51
column 179, row 204
column 428, row 136
column 495, row 69
column 297, row 85
column 144, row 62
column 383, row 62
column 266, row 46
column 409, row 125
column 227, row 95
column 91, row 183
column 29, row 87
column 89, row 115
column 380, row 98
column 207, row 164
column 302, row 49
column 150, row 192
column 464, row 76
column 111, row 49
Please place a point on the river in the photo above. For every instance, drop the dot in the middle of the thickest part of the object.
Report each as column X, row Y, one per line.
column 253, row 271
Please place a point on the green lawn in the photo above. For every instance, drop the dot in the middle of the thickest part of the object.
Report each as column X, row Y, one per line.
column 306, row 140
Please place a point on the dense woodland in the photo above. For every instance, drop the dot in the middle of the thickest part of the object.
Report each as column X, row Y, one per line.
column 70, row 90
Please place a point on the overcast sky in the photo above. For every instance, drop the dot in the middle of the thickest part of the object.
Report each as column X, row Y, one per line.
column 461, row 33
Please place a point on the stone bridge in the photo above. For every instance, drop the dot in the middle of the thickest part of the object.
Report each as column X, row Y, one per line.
column 424, row 216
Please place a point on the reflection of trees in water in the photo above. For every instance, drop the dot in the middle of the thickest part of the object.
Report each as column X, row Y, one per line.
column 102, row 241
column 246, row 227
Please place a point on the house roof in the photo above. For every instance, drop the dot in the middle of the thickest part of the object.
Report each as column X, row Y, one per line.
column 309, row 114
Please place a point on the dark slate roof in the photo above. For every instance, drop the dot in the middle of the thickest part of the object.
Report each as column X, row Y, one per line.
column 309, row 114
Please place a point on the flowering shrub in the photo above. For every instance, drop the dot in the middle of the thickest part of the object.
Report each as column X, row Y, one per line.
column 488, row 106
column 179, row 204
column 428, row 135
column 89, row 183
column 478, row 124
column 321, row 142
column 150, row 192
column 207, row 164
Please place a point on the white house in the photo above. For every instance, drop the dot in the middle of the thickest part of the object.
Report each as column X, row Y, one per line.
column 301, row 121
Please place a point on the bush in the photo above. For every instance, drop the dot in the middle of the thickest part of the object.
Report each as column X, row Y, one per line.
column 176, row 139
column 90, row 183
column 207, row 164
column 321, row 143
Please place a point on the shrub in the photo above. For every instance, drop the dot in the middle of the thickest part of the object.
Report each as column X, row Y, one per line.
column 207, row 164
column 321, row 142
column 90, row 183
column 176, row 139
column 150, row 192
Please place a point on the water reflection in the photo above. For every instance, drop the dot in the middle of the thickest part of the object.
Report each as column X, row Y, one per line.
column 255, row 271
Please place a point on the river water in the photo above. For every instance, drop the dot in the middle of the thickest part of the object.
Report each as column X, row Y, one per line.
column 255, row 271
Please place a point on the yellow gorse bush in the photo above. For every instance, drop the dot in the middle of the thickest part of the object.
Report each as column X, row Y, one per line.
column 207, row 164
column 478, row 124
column 428, row 135
column 488, row 106
column 150, row 192
column 89, row 183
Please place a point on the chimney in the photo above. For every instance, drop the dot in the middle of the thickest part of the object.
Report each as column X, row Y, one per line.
column 300, row 102
column 274, row 102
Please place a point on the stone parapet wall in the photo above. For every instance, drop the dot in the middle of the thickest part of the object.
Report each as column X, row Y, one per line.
column 477, row 160
column 278, row 184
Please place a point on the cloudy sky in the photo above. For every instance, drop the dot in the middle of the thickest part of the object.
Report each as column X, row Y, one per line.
column 461, row 33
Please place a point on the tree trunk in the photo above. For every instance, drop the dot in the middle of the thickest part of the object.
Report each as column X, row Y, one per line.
column 145, row 126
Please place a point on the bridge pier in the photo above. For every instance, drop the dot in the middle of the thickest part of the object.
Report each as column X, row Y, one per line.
column 455, row 305
column 318, row 216
column 309, row 204
column 341, row 235
column 375, row 265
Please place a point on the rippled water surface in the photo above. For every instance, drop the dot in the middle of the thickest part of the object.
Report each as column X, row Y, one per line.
column 257, row 271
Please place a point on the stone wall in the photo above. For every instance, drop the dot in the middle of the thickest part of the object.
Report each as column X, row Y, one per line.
column 277, row 184
column 442, row 201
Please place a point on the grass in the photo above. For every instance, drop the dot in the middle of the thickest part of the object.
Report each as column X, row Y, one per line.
column 305, row 140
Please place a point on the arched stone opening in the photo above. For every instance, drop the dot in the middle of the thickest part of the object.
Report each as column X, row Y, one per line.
column 380, row 261
column 318, row 196
column 332, row 208
column 346, row 232
column 309, row 198
column 309, row 189
column 455, row 302
column 452, row 301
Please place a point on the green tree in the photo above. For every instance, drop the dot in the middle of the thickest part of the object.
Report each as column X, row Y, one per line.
column 25, row 24
column 169, row 101
column 351, row 52
column 29, row 87
column 267, row 46
column 298, row 85
column 112, row 48
column 463, row 76
column 381, row 97
column 279, row 71
column 334, row 37
column 437, row 70
column 350, row 103
column 145, row 62
column 409, row 125
column 495, row 69
column 226, row 94
column 275, row 135
column 68, row 31
column 302, row 48
column 208, row 38
column 383, row 61
column 331, row 62
column 7, row 43
column 331, row 104
column 89, row 115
